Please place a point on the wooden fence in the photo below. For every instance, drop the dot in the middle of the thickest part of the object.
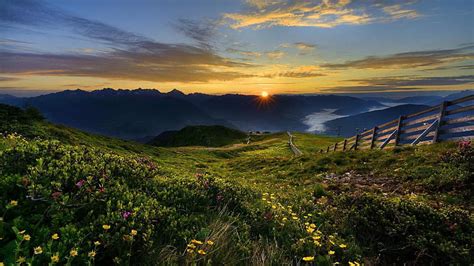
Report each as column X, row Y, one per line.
column 450, row 120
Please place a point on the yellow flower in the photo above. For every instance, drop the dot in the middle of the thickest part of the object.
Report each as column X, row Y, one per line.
column 13, row 203
column 191, row 246
column 194, row 241
column 189, row 250
column 1, row 263
column 73, row 252
column 55, row 258
column 106, row 226
column 21, row 260
column 343, row 246
column 97, row 243
column 133, row 232
column 317, row 243
column 274, row 207
column 26, row 237
column 309, row 258
column 310, row 230
column 294, row 218
column 312, row 226
column 38, row 250
column 202, row 252
column 331, row 252
column 91, row 254
column 210, row 243
column 55, row 237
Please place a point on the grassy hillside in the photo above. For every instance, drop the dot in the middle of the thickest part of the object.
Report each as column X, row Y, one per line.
column 209, row 136
column 90, row 199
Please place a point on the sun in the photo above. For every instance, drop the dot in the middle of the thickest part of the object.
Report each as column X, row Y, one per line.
column 264, row 94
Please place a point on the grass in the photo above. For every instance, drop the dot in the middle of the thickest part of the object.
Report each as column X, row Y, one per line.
column 255, row 202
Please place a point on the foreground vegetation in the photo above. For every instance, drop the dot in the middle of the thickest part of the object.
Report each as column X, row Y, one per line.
column 74, row 198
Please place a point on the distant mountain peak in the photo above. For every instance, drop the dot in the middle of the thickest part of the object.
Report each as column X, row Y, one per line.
column 176, row 92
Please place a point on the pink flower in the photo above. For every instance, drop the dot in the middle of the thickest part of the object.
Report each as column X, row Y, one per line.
column 80, row 183
column 465, row 144
column 126, row 214
column 56, row 195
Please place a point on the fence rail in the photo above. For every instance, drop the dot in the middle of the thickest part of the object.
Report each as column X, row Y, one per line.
column 450, row 120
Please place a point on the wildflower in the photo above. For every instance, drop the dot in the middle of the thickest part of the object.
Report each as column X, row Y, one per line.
column 55, row 258
column 55, row 237
column 126, row 214
column 274, row 207
column 194, row 241
column 294, row 218
column 210, row 243
column 73, row 252
column 355, row 263
column 309, row 258
column 106, row 226
column 97, row 243
column 133, row 232
column 38, row 250
column 331, row 252
column 1, row 263
column 191, row 246
column 13, row 203
column 317, row 243
column 202, row 252
column 91, row 254
column 26, row 237
column 21, row 260
column 343, row 246
column 56, row 195
column 312, row 225
column 310, row 230
column 80, row 183
column 190, row 251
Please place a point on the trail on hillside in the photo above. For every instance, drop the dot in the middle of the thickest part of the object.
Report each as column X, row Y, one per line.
column 293, row 148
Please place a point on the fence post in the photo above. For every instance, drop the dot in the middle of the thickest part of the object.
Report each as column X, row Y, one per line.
column 399, row 126
column 356, row 142
column 372, row 140
column 442, row 110
column 344, row 145
column 335, row 147
column 327, row 150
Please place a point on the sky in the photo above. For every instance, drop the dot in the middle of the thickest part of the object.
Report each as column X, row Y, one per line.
column 233, row 46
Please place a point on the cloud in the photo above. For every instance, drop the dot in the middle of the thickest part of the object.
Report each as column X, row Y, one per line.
column 403, row 81
column 277, row 54
column 304, row 48
column 203, row 32
column 243, row 52
column 318, row 13
column 130, row 56
column 409, row 60
column 6, row 79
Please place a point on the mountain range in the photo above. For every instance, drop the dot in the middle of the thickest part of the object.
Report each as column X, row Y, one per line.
column 142, row 114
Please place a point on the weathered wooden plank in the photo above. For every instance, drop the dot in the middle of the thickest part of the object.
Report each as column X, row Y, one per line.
column 414, row 129
column 399, row 126
column 388, row 123
column 460, row 110
column 469, row 118
column 388, row 139
column 431, row 109
column 419, row 120
column 433, row 126
column 372, row 140
column 390, row 129
column 461, row 100
column 356, row 141
column 457, row 129
column 430, row 134
column 439, row 121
